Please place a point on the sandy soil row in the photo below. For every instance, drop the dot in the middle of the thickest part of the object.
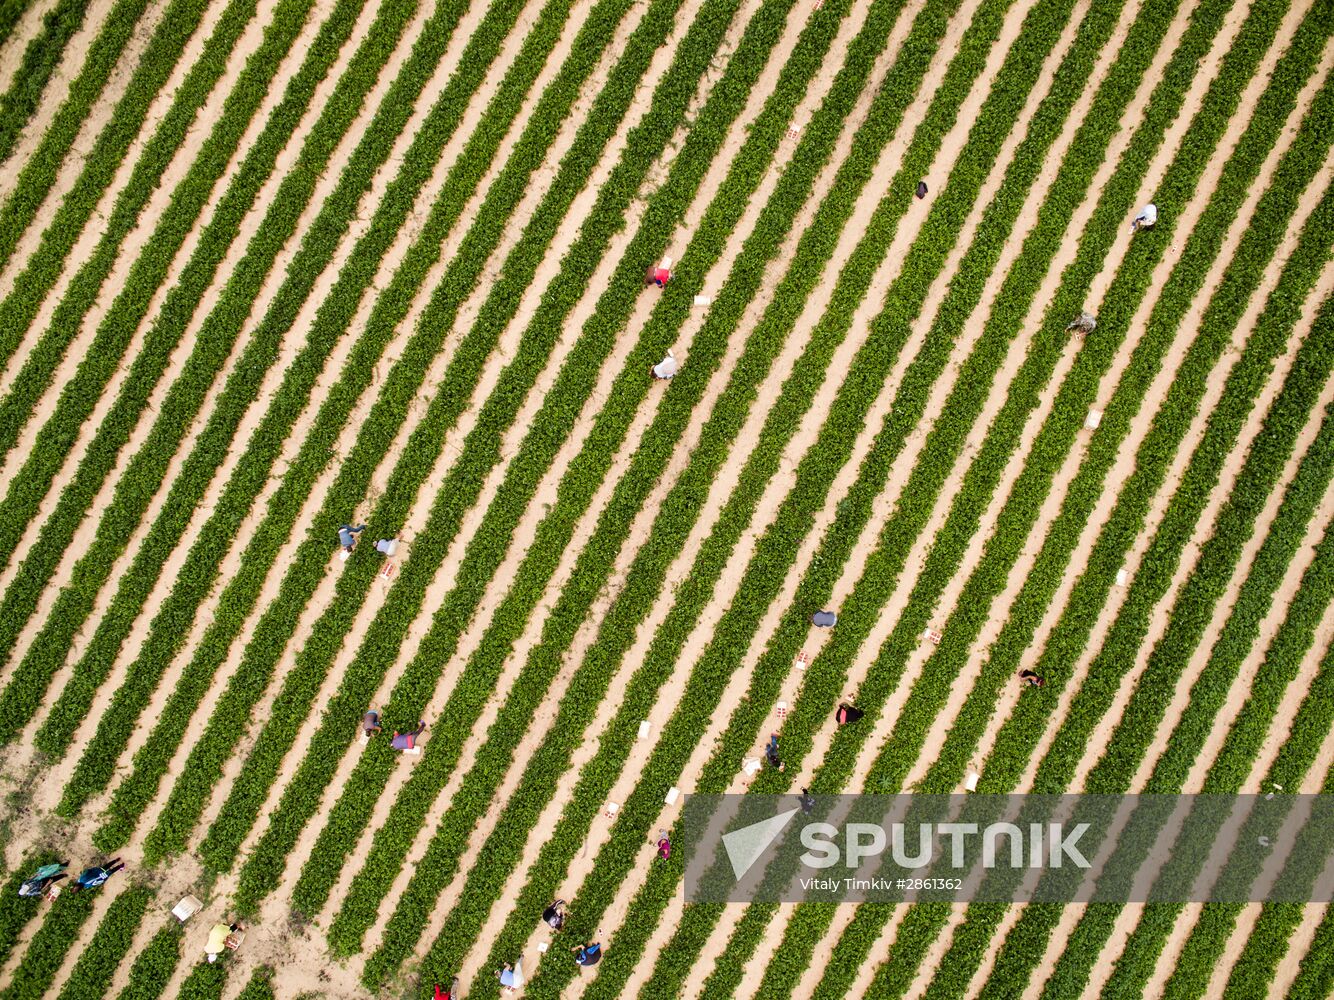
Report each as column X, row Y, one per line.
column 47, row 406
column 97, row 119
column 769, row 504
column 643, row 523
column 888, row 500
column 57, row 87
column 881, row 950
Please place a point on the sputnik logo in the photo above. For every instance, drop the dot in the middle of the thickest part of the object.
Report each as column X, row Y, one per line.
column 745, row 846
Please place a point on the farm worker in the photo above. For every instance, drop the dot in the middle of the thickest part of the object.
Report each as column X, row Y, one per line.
column 91, row 878
column 665, row 368
column 771, row 753
column 406, row 741
column 347, row 536
column 451, row 994
column 664, row 845
column 921, row 189
column 507, row 977
column 658, row 275
column 1028, row 677
column 824, row 619
column 587, row 954
column 1083, row 323
column 847, row 714
column 42, row 879
column 554, row 915
column 807, row 801
column 370, row 722
column 1148, row 215
column 387, row 546
column 220, row 938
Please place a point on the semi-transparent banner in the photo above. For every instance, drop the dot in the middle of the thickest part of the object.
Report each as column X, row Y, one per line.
column 1008, row 848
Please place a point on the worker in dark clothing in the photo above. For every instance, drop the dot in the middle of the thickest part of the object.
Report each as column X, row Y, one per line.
column 42, row 879
column 807, row 801
column 1030, row 678
column 771, row 753
column 347, row 536
column 587, row 954
column 95, row 876
column 847, row 714
column 554, row 915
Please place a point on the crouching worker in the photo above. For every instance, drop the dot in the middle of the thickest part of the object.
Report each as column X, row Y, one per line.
column 407, row 741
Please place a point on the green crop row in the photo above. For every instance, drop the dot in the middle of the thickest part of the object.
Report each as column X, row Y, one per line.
column 813, row 480
column 177, row 613
column 1233, row 763
column 49, row 649
column 44, row 267
column 678, row 512
column 1315, row 975
column 1243, row 383
column 205, row 982
column 10, row 12
column 258, row 460
column 46, row 951
column 38, row 175
column 599, row 553
column 91, row 976
column 39, row 61
column 154, row 965
column 1204, row 241
column 1068, row 300
column 662, row 214
column 1276, row 672
column 275, row 626
column 1160, row 561
column 826, row 676
column 301, row 683
column 260, row 986
column 480, row 449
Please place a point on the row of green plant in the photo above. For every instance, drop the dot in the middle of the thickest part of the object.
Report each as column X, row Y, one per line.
column 1096, row 354
column 154, row 966
column 51, row 646
column 881, row 680
column 1230, row 769
column 826, row 677
column 480, row 449
column 178, row 611
column 1160, row 561
column 38, row 175
column 91, row 976
column 40, row 59
column 258, row 460
column 1099, row 458
column 663, row 212
column 46, row 951
column 1257, row 964
column 44, row 267
column 400, row 390
column 599, row 553
column 32, row 481
column 260, row 986
column 1315, row 975
column 424, row 446
column 813, row 480
column 213, row 345
column 677, row 514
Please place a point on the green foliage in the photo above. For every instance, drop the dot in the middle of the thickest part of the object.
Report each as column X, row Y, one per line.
column 91, row 976
column 39, row 62
column 154, row 965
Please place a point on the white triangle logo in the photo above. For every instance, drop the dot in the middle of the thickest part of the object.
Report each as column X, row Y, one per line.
column 745, row 846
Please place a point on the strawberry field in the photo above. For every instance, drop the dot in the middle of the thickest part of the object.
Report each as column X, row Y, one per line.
column 273, row 267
